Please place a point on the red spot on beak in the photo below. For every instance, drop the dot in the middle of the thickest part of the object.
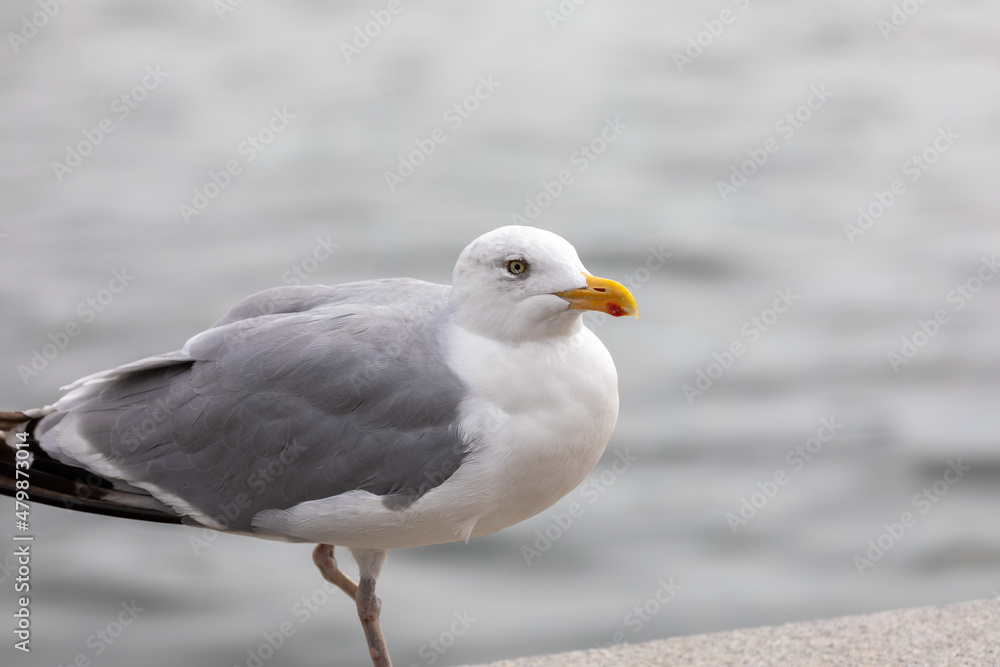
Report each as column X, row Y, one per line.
column 613, row 309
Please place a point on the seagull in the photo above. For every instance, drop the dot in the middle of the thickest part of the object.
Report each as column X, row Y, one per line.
column 370, row 415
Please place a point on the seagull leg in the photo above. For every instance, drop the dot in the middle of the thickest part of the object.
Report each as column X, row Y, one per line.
column 369, row 606
column 327, row 564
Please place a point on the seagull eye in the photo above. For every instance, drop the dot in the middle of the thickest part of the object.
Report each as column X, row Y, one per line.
column 517, row 266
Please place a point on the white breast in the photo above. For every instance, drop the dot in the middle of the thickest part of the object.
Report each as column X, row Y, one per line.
column 543, row 413
column 539, row 415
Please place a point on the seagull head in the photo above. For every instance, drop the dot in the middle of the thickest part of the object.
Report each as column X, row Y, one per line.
column 523, row 283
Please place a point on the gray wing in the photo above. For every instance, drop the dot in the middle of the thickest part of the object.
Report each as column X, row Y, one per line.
column 299, row 393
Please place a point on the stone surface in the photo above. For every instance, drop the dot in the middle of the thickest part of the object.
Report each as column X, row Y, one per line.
column 967, row 633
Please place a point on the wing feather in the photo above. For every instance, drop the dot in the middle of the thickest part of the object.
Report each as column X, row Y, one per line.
column 297, row 394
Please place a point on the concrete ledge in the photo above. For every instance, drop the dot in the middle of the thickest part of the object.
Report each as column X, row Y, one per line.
column 967, row 633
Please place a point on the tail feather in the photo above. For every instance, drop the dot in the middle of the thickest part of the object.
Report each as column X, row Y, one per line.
column 59, row 484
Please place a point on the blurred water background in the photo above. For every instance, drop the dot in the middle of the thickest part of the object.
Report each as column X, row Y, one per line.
column 173, row 91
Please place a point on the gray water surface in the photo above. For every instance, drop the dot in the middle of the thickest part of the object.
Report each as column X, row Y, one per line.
column 829, row 113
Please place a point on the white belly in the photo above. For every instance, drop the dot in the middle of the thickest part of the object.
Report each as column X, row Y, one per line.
column 540, row 415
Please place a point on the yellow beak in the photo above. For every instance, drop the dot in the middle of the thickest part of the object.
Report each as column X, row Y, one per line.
column 602, row 295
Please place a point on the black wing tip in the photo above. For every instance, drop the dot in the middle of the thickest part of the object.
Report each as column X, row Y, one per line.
column 58, row 484
column 92, row 505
